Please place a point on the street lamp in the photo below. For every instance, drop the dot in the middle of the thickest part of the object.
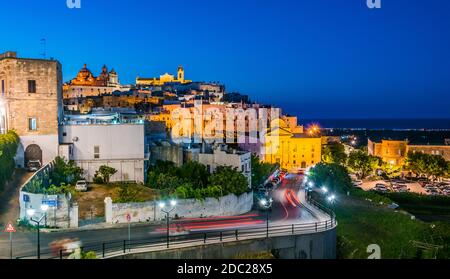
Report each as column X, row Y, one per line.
column 324, row 189
column 162, row 205
column 31, row 212
column 266, row 204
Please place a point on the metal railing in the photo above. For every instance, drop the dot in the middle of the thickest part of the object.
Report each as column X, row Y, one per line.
column 119, row 248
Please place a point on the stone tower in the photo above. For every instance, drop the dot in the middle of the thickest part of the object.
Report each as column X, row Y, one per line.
column 180, row 74
column 31, row 93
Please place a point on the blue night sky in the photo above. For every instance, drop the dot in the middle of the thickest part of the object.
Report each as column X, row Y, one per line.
column 314, row 58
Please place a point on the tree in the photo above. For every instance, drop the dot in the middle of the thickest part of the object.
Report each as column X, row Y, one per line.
column 437, row 166
column 166, row 182
column 195, row 173
column 334, row 176
column 391, row 170
column 416, row 163
column 362, row 163
column 430, row 166
column 260, row 171
column 65, row 172
column 230, row 179
column 334, row 153
column 105, row 172
column 9, row 143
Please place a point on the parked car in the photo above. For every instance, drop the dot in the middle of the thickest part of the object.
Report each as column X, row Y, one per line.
column 81, row 186
column 34, row 165
column 433, row 192
column 446, row 192
column 357, row 183
column 381, row 188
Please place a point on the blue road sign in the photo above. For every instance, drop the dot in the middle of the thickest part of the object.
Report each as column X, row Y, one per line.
column 50, row 203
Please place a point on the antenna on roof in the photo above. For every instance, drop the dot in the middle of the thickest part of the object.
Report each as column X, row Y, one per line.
column 44, row 48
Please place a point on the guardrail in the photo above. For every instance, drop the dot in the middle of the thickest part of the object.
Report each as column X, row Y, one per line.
column 112, row 249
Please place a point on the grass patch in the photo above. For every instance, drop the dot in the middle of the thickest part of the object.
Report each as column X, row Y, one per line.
column 427, row 208
column 91, row 203
column 362, row 223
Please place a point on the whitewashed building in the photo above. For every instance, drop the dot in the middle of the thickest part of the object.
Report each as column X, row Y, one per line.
column 221, row 155
column 121, row 146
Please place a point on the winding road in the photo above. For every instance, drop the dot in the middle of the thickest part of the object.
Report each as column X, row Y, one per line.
column 288, row 208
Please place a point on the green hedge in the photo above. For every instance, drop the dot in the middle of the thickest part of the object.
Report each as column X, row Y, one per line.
column 9, row 143
column 193, row 181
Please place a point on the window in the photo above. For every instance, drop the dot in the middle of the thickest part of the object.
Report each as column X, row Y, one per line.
column 3, row 87
column 31, row 86
column 96, row 152
column 32, row 124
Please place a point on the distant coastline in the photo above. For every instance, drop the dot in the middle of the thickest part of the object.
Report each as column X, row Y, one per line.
column 381, row 124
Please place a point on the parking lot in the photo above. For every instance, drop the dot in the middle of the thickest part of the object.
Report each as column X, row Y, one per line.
column 420, row 187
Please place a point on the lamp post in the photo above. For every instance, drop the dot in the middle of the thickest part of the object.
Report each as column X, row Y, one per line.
column 31, row 212
column 266, row 204
column 162, row 205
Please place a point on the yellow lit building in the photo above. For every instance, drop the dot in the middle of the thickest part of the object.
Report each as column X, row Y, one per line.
column 163, row 79
column 391, row 151
column 395, row 151
column 291, row 150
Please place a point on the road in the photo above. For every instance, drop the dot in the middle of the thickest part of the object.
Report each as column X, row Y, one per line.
column 287, row 209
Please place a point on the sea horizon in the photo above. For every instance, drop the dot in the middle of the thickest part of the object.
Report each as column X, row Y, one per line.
column 380, row 123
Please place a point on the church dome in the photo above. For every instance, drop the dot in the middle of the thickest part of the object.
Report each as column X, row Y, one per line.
column 84, row 72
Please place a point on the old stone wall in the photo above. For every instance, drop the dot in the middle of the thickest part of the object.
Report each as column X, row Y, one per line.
column 190, row 208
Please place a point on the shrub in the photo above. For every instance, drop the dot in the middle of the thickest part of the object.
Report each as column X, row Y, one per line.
column 333, row 175
column 127, row 194
column 193, row 181
column 97, row 179
column 89, row 255
column 105, row 172
column 8, row 148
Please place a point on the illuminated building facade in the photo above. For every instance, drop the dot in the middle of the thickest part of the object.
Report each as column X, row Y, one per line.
column 395, row 151
column 290, row 149
column 164, row 79
column 86, row 84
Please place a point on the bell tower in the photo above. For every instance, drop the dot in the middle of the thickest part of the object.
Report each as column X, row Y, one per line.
column 180, row 74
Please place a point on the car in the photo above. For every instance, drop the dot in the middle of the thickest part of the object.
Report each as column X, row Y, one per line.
column 34, row 165
column 434, row 192
column 381, row 188
column 357, row 183
column 81, row 186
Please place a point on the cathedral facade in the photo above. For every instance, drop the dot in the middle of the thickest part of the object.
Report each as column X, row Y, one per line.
column 86, row 84
column 164, row 79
